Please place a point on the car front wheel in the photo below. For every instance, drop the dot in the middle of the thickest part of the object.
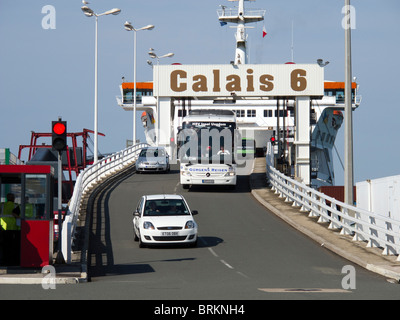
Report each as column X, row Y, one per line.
column 141, row 244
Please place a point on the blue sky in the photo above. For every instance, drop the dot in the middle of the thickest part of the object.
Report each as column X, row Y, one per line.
column 47, row 73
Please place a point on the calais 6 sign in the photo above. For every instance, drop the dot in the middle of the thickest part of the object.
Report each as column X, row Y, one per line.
column 239, row 80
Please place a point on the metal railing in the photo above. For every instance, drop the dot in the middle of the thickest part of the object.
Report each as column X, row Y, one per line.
column 233, row 12
column 376, row 230
column 85, row 182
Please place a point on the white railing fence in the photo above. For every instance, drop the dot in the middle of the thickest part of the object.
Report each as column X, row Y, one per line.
column 85, row 182
column 376, row 230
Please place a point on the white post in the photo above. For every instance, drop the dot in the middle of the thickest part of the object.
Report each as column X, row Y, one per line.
column 348, row 129
column 95, row 99
column 302, row 139
column 134, row 89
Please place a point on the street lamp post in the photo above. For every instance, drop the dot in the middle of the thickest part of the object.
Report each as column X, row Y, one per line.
column 153, row 55
column 348, row 143
column 89, row 13
column 128, row 26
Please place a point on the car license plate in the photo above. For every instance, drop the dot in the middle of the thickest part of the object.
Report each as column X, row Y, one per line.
column 168, row 233
column 208, row 181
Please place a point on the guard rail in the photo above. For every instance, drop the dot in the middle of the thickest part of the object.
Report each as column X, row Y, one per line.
column 85, row 182
column 376, row 230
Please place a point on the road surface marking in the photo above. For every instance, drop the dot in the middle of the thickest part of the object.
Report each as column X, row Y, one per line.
column 303, row 290
column 213, row 252
column 227, row 264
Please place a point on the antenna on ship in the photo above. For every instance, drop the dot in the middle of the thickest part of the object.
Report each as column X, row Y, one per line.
column 240, row 18
column 292, row 46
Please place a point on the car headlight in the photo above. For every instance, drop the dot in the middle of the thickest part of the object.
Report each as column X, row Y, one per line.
column 189, row 225
column 230, row 173
column 148, row 225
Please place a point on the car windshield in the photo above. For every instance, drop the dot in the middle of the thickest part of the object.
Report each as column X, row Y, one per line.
column 152, row 153
column 166, row 207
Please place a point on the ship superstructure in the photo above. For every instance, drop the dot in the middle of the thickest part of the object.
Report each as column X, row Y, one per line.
column 241, row 18
column 259, row 118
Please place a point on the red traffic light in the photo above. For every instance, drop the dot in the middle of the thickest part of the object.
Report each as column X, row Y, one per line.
column 272, row 139
column 59, row 135
column 59, row 128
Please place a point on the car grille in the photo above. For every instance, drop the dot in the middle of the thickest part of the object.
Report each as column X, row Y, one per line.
column 169, row 228
column 170, row 238
column 208, row 174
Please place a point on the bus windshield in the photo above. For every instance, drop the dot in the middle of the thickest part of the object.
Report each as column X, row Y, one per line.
column 207, row 142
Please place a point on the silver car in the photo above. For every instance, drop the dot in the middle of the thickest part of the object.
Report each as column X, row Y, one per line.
column 153, row 159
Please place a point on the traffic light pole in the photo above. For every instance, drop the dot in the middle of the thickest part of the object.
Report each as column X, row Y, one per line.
column 59, row 258
column 59, row 143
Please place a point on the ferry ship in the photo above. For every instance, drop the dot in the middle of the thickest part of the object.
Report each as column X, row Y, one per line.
column 258, row 117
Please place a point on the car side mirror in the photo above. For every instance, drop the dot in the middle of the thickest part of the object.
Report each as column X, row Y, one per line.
column 194, row 212
column 135, row 213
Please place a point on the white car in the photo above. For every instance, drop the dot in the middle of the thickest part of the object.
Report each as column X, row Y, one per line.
column 164, row 219
column 153, row 159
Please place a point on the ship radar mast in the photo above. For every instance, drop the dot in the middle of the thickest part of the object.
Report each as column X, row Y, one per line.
column 240, row 17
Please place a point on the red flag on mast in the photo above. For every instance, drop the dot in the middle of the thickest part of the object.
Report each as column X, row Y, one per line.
column 264, row 32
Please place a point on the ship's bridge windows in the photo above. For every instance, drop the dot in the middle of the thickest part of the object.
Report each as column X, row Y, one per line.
column 142, row 89
column 339, row 94
column 128, row 95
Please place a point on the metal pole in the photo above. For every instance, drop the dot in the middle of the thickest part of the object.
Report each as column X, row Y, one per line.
column 134, row 89
column 348, row 143
column 158, row 103
column 95, row 99
column 278, row 129
column 59, row 258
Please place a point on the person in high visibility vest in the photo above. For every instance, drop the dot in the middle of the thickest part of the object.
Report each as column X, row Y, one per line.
column 9, row 213
column 29, row 210
column 11, row 234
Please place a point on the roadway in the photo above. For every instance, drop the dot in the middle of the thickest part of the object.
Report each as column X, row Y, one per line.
column 245, row 252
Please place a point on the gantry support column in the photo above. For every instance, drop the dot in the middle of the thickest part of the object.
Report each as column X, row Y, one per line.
column 302, row 140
